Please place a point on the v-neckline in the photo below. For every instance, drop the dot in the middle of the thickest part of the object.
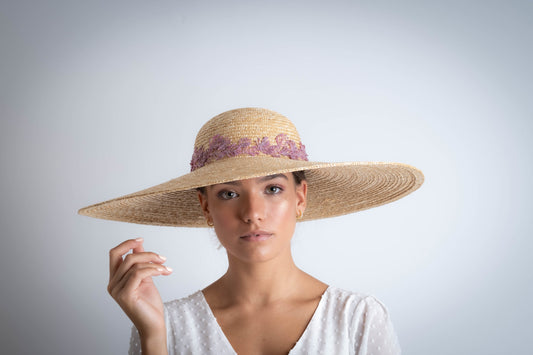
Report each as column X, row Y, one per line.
column 302, row 337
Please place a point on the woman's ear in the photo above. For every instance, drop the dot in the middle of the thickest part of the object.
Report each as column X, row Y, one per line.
column 301, row 196
column 203, row 203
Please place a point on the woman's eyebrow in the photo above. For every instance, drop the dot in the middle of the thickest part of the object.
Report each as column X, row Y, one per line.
column 262, row 179
column 230, row 183
column 271, row 177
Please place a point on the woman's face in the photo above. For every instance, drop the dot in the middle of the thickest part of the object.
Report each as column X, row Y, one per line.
column 254, row 219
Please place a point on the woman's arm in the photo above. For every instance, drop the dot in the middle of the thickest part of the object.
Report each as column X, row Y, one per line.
column 131, row 285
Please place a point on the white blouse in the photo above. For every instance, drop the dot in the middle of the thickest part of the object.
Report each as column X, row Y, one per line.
column 343, row 323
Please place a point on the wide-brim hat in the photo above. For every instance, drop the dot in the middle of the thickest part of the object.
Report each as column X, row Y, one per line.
column 253, row 142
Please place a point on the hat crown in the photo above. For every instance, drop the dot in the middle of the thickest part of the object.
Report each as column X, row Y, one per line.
column 247, row 132
column 246, row 123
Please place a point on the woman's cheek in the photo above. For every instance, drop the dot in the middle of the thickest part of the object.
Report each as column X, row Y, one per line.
column 281, row 209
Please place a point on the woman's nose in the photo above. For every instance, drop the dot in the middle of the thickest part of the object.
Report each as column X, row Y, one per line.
column 253, row 208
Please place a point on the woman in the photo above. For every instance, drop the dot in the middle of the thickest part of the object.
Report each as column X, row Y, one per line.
column 251, row 181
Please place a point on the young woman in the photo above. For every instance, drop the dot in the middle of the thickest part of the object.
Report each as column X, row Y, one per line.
column 251, row 181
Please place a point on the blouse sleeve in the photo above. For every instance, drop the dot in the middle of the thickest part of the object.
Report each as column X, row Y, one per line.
column 376, row 334
column 135, row 342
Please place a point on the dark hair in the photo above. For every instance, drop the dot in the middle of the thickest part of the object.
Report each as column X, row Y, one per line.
column 299, row 176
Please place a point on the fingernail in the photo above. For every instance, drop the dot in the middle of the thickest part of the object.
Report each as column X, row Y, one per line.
column 139, row 239
column 162, row 257
column 169, row 269
column 160, row 269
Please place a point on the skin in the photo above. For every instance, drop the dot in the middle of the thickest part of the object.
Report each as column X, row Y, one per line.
column 263, row 302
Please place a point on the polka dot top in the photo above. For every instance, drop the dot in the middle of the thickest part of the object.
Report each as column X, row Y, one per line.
column 343, row 323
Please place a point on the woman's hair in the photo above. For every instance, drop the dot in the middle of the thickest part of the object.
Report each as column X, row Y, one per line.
column 299, row 176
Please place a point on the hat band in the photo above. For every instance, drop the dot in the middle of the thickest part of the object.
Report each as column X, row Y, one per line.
column 221, row 147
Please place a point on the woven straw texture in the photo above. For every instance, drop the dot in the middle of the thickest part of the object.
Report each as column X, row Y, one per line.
column 333, row 188
column 249, row 123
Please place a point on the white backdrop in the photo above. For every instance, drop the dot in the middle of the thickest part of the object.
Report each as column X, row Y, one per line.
column 103, row 98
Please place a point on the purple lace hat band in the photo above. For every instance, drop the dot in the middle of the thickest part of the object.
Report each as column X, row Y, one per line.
column 221, row 147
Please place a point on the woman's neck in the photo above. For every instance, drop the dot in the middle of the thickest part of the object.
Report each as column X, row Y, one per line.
column 261, row 283
column 258, row 284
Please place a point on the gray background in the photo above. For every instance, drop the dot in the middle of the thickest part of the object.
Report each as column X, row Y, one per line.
column 103, row 98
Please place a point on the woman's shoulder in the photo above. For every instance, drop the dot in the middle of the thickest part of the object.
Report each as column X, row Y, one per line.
column 346, row 300
column 191, row 304
column 362, row 316
column 341, row 293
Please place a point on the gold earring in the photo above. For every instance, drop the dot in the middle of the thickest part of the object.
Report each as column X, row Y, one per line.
column 299, row 214
column 209, row 223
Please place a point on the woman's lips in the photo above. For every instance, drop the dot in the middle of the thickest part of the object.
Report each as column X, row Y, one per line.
column 256, row 236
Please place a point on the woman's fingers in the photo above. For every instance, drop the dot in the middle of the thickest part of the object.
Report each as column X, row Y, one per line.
column 132, row 281
column 133, row 259
column 134, row 276
column 139, row 248
column 115, row 254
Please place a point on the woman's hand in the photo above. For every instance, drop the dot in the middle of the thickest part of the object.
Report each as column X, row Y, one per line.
column 130, row 284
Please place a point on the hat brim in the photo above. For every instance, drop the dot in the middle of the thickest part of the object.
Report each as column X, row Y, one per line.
column 334, row 189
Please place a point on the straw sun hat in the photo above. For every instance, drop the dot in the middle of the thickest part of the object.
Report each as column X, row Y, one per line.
column 253, row 142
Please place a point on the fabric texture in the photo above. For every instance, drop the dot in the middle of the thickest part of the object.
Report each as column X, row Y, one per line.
column 343, row 323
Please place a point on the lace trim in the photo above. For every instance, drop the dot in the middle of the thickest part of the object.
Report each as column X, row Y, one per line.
column 221, row 147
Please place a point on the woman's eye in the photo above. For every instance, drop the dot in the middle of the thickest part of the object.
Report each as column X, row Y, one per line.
column 227, row 195
column 274, row 189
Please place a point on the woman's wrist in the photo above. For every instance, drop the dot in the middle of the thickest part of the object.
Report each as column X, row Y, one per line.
column 154, row 344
